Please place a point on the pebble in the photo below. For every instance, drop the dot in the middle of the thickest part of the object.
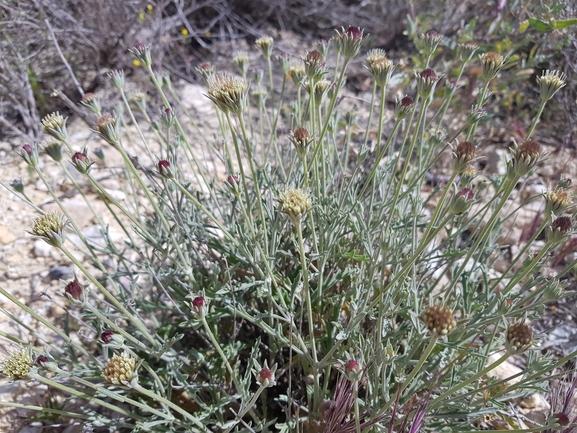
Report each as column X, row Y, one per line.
column 61, row 273
column 12, row 273
column 6, row 237
column 42, row 249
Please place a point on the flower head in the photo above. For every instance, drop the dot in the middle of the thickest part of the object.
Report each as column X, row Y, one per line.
column 525, row 157
column 463, row 154
column 18, row 364
column 557, row 201
column 430, row 42
column 404, row 106
column 462, row 201
column 283, row 61
column 348, row 42
column 297, row 73
column 107, row 128
column 314, row 65
column 92, row 102
column 353, row 369
column 53, row 148
column 234, row 184
column 475, row 115
column 519, row 338
column 550, row 82
column 439, row 320
column 228, row 93
column 74, row 291
column 117, row 78
column 492, row 63
column 199, row 306
column 82, row 162
column 301, row 139
column 240, row 59
column 29, row 153
column 55, row 125
column 164, row 169
column 467, row 50
column 50, row 228
column 111, row 337
column 205, row 70
column 260, row 94
column 120, row 369
column 142, row 54
column 379, row 66
column 427, row 79
column 559, row 229
column 265, row 45
column 295, row 203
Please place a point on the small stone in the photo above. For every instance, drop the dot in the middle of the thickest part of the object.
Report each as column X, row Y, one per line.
column 6, row 237
column 61, row 273
column 12, row 273
column 42, row 249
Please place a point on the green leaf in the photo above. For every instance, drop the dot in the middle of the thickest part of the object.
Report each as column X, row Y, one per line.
column 561, row 24
column 542, row 26
column 523, row 26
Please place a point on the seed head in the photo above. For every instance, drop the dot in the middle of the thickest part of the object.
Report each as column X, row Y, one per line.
column 107, row 128
column 314, row 65
column 321, row 88
column 464, row 153
column 265, row 45
column 550, row 82
column 439, row 320
column 228, row 93
column 240, row 59
column 295, row 203
column 525, row 157
column 92, row 102
column 492, row 63
column 82, row 162
column 55, row 125
column 557, row 201
column 50, row 228
column 519, row 338
column 404, row 106
column 426, row 82
column 120, row 369
column 18, row 364
column 74, row 291
column 348, row 42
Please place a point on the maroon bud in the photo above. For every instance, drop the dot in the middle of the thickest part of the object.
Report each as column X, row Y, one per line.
column 107, row 335
column 27, row 148
column 139, row 46
column 467, row 193
column 265, row 374
column 163, row 164
column 562, row 419
column 354, row 32
column 428, row 74
column 41, row 361
column 74, row 290
column 80, row 157
column 198, row 302
column 164, row 169
column 314, row 57
column 352, row 366
column 407, row 101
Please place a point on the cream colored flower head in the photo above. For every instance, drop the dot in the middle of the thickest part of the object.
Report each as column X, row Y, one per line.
column 50, row 228
column 227, row 92
column 18, row 364
column 120, row 369
column 295, row 203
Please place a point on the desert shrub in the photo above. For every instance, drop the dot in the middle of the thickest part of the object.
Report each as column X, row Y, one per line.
column 314, row 287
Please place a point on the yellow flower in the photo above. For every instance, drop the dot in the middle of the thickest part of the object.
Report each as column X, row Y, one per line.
column 184, row 32
column 136, row 63
column 17, row 365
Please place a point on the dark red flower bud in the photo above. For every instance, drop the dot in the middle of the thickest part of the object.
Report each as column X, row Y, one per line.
column 428, row 74
column 407, row 101
column 41, row 361
column 80, row 157
column 107, row 335
column 27, row 148
column 198, row 302
column 74, row 290
column 354, row 32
